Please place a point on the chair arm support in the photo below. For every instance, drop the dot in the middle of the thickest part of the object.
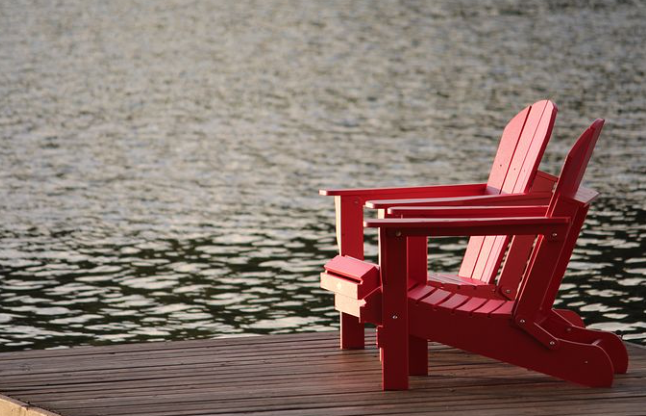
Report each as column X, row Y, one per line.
column 469, row 211
column 434, row 191
column 530, row 198
column 553, row 228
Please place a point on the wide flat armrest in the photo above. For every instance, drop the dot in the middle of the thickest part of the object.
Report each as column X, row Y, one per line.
column 530, row 198
column 469, row 211
column 411, row 192
column 553, row 228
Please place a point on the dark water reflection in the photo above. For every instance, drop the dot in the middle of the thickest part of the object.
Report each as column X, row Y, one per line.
column 160, row 160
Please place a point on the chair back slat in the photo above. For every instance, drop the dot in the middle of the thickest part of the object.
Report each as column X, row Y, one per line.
column 508, row 143
column 548, row 264
column 575, row 163
column 514, row 169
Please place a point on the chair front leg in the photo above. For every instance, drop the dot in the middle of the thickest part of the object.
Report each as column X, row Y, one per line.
column 349, row 235
column 393, row 334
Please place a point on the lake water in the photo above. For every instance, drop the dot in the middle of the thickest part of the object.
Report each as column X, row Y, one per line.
column 160, row 161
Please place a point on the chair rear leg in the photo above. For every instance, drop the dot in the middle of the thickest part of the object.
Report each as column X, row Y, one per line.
column 417, row 356
column 568, row 325
column 609, row 342
column 349, row 235
column 352, row 335
column 616, row 350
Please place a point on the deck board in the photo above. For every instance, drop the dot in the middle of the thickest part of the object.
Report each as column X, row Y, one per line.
column 299, row 374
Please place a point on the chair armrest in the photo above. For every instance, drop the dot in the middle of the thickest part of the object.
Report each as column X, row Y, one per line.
column 530, row 198
column 435, row 191
column 553, row 228
column 469, row 211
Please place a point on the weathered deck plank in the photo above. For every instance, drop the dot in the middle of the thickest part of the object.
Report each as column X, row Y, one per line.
column 302, row 374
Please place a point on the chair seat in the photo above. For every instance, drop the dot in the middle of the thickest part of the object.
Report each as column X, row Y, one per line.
column 438, row 279
column 455, row 302
column 464, row 285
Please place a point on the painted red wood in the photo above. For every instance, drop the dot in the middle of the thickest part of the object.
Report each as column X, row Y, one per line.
column 433, row 191
column 419, row 292
column 484, row 254
column 507, row 147
column 417, row 260
column 455, row 301
column 493, row 247
column 349, row 234
column 417, row 356
column 488, row 265
column 475, row 200
column 529, row 148
column 352, row 277
column 503, row 311
column 490, row 306
column 512, row 270
column 471, row 305
column 393, row 333
column 348, row 305
column 577, row 160
column 523, row 330
column 347, row 287
column 366, row 310
column 549, row 256
column 468, row 212
column 438, row 296
column 352, row 332
column 583, row 363
column 554, row 226
column 349, row 202
column 447, row 279
column 464, row 285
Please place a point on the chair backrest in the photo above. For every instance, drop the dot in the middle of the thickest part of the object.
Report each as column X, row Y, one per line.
column 575, row 164
column 547, row 265
column 514, row 168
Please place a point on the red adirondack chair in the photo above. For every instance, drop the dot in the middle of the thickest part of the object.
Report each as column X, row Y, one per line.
column 525, row 331
column 514, row 179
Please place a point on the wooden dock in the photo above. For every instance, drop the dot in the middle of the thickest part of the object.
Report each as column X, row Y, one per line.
column 299, row 375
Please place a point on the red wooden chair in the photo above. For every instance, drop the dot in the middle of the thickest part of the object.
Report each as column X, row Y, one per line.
column 525, row 331
column 514, row 179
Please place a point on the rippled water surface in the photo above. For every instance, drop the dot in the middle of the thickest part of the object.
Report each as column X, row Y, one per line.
column 160, row 161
